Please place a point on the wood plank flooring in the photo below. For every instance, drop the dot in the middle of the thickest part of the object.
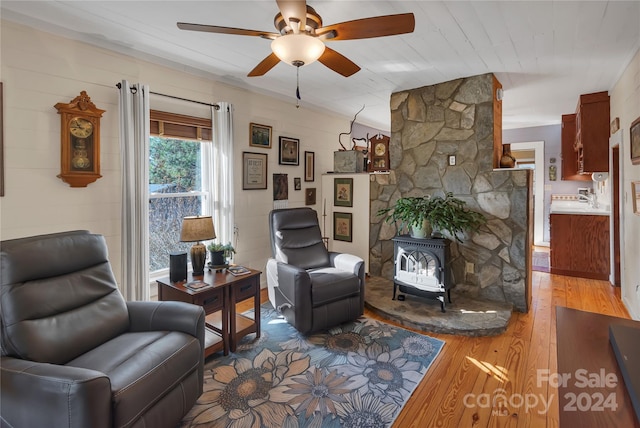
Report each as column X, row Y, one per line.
column 472, row 373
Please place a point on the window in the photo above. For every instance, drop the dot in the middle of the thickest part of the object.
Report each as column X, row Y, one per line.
column 176, row 187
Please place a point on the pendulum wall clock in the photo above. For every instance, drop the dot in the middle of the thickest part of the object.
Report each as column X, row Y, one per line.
column 80, row 141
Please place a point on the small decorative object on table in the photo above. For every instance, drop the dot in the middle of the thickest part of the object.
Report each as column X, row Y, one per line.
column 238, row 270
column 220, row 255
column 196, row 229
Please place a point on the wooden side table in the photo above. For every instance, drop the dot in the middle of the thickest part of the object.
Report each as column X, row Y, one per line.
column 224, row 327
column 245, row 287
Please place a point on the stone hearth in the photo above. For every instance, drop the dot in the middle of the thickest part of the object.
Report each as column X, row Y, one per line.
column 464, row 316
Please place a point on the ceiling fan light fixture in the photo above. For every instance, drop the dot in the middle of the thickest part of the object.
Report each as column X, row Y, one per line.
column 297, row 49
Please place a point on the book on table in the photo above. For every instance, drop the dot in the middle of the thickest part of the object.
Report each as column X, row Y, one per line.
column 238, row 270
column 196, row 284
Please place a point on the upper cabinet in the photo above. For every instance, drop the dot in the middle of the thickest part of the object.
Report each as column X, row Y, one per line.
column 585, row 138
column 592, row 132
column 569, row 158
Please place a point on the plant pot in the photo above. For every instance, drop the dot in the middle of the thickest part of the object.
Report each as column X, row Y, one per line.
column 421, row 231
column 217, row 258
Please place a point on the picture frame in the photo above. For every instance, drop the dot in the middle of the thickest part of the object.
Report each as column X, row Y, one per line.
column 297, row 185
column 634, row 131
column 310, row 196
column 342, row 226
column 254, row 171
column 289, row 151
column 343, row 192
column 280, row 187
column 309, row 166
column 259, row 135
column 635, row 197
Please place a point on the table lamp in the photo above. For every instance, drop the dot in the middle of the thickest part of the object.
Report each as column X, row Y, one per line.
column 196, row 229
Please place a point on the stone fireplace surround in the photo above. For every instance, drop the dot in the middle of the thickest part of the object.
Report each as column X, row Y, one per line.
column 430, row 123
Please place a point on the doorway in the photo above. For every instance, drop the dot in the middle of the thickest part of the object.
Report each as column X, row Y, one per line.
column 533, row 158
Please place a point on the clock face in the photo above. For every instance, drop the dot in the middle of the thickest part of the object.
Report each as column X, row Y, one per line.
column 380, row 149
column 80, row 127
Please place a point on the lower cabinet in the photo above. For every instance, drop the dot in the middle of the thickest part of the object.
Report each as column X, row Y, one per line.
column 580, row 245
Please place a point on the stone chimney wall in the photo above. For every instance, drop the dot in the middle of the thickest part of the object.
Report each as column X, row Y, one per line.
column 456, row 118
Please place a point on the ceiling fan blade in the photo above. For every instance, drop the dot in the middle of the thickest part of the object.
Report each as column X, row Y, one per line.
column 296, row 9
column 265, row 65
column 226, row 30
column 338, row 62
column 379, row 26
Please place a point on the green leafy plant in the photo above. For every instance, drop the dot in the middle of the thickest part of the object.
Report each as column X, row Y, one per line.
column 446, row 213
column 451, row 215
column 409, row 211
column 227, row 248
column 220, row 253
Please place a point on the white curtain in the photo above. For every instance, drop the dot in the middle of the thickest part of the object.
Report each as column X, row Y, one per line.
column 219, row 182
column 134, row 149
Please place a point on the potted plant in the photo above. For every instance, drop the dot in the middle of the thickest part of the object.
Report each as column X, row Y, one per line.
column 420, row 214
column 450, row 214
column 220, row 253
column 411, row 212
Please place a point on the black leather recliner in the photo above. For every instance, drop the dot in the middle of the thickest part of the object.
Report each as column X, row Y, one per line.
column 75, row 354
column 313, row 288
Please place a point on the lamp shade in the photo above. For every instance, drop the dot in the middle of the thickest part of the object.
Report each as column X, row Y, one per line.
column 297, row 49
column 197, row 229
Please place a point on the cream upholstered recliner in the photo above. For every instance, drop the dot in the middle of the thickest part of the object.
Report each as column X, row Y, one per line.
column 75, row 354
column 313, row 288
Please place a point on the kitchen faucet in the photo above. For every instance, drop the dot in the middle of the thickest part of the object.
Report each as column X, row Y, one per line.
column 590, row 198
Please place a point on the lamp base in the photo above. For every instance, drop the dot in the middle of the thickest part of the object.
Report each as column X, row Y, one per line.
column 198, row 258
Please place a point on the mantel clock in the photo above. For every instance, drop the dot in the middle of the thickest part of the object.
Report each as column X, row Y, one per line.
column 80, row 141
column 380, row 153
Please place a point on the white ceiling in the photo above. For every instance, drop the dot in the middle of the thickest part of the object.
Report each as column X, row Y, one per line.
column 545, row 54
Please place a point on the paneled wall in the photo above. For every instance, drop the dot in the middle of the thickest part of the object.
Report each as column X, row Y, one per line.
column 39, row 70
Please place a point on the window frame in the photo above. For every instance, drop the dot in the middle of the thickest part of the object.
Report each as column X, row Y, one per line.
column 180, row 127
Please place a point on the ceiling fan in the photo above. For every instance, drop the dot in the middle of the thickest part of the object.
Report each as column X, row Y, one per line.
column 301, row 36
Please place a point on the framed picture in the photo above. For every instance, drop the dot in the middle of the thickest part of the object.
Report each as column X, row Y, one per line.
column 310, row 196
column 289, row 151
column 635, row 141
column 309, row 166
column 297, row 185
column 259, row 135
column 342, row 226
column 280, row 187
column 343, row 192
column 254, row 171
column 635, row 196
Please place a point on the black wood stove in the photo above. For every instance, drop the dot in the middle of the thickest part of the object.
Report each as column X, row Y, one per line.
column 421, row 268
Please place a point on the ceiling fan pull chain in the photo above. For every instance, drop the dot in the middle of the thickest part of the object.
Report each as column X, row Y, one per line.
column 298, row 87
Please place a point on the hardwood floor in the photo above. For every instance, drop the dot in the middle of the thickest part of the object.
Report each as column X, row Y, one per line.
column 476, row 370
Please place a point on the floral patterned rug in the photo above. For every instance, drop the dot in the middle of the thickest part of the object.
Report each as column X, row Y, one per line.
column 359, row 374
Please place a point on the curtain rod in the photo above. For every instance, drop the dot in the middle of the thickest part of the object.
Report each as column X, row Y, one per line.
column 216, row 106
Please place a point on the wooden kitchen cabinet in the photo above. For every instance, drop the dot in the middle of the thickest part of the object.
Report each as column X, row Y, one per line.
column 580, row 245
column 569, row 156
column 592, row 132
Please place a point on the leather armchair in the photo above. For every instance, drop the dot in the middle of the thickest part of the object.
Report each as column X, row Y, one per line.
column 76, row 354
column 313, row 288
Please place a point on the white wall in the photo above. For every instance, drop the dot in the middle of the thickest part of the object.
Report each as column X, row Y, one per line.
column 39, row 70
column 551, row 135
column 625, row 104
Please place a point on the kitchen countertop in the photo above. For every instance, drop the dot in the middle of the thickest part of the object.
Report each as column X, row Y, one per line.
column 577, row 207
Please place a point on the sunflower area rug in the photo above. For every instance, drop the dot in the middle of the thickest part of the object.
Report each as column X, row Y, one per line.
column 359, row 374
